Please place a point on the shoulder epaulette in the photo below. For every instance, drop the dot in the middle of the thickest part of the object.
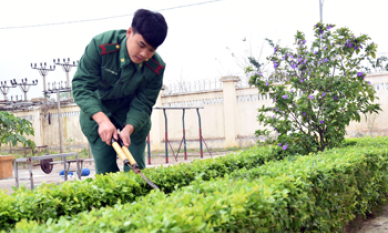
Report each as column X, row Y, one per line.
column 154, row 65
column 109, row 48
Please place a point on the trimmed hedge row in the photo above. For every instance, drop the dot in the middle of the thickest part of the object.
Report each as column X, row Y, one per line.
column 316, row 193
column 70, row 198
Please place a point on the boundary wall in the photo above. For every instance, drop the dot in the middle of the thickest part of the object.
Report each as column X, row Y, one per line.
column 228, row 118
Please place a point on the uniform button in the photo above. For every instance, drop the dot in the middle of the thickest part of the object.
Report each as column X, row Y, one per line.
column 122, row 60
column 121, row 83
column 140, row 65
column 117, row 46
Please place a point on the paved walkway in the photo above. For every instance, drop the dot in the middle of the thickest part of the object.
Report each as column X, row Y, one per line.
column 377, row 224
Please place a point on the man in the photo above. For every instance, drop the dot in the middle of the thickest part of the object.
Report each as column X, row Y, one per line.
column 116, row 85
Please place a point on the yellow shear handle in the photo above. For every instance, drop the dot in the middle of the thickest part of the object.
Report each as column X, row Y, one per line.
column 119, row 151
column 129, row 155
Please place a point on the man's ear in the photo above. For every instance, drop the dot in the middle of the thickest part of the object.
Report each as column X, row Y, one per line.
column 129, row 32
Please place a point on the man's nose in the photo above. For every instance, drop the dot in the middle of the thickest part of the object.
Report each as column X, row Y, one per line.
column 144, row 53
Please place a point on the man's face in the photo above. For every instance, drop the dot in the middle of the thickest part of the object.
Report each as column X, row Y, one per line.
column 138, row 49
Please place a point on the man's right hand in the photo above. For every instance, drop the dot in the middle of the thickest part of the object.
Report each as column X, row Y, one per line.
column 106, row 129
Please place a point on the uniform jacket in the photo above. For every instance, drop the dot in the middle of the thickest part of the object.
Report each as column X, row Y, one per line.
column 107, row 80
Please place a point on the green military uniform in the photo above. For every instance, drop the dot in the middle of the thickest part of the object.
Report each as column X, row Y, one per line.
column 107, row 80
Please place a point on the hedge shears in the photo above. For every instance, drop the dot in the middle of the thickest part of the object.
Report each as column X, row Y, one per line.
column 127, row 158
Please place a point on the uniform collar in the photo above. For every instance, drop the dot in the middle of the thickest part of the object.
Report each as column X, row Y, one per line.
column 124, row 57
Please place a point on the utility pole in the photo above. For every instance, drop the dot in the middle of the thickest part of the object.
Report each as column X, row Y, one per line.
column 66, row 66
column 25, row 86
column 43, row 71
column 58, row 90
column 321, row 9
column 4, row 88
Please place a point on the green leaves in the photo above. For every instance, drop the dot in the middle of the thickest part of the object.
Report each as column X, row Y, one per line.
column 331, row 90
column 71, row 198
column 315, row 193
column 13, row 128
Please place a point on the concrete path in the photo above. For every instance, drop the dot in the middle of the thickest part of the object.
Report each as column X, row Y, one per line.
column 378, row 224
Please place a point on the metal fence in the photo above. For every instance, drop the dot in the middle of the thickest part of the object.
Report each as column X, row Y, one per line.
column 212, row 84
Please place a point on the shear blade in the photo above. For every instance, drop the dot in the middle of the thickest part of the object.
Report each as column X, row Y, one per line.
column 148, row 181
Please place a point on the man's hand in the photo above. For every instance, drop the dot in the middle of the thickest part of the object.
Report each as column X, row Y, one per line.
column 125, row 134
column 106, row 129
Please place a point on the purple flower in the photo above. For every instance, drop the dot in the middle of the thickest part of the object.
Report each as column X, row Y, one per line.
column 321, row 122
column 293, row 66
column 305, row 60
column 360, row 74
column 311, row 97
column 326, row 60
column 291, row 91
column 300, row 59
column 258, row 73
column 369, row 83
column 356, row 47
column 279, row 144
column 372, row 42
column 324, row 93
column 304, row 41
column 304, row 114
column 321, row 31
column 285, row 97
column 328, row 27
column 325, row 48
column 315, row 52
column 301, row 81
column 285, row 56
column 285, row 147
column 361, row 47
column 309, row 72
column 266, row 83
column 275, row 64
column 335, row 97
column 275, row 49
column 273, row 118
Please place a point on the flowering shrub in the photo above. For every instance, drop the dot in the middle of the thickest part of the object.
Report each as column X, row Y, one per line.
column 324, row 90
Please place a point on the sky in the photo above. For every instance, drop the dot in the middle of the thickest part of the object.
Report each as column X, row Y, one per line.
column 202, row 34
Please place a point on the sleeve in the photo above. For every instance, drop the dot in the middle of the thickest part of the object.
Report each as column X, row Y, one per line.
column 141, row 106
column 86, row 79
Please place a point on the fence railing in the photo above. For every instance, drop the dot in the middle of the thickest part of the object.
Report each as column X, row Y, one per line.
column 212, row 84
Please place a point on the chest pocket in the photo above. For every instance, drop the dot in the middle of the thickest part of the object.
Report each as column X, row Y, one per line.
column 107, row 84
column 109, row 78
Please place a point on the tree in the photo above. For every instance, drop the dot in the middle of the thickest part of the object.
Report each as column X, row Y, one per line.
column 13, row 128
column 324, row 90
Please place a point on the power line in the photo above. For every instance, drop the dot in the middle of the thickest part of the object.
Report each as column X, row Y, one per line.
column 111, row 17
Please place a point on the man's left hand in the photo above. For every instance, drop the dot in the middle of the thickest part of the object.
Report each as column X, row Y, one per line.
column 125, row 134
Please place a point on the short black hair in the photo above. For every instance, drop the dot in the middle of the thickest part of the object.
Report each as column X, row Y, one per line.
column 151, row 25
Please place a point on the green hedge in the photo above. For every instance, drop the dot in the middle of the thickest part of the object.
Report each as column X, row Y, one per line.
column 316, row 193
column 70, row 198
